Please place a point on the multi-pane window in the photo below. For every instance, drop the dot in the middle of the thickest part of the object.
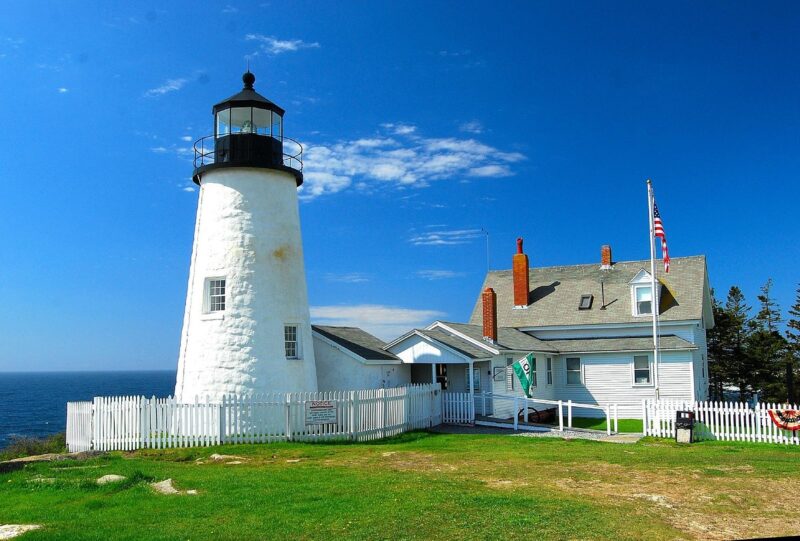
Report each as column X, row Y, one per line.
column 644, row 300
column 641, row 369
column 216, row 295
column 476, row 380
column 549, row 368
column 509, row 374
column 290, row 340
column 573, row 371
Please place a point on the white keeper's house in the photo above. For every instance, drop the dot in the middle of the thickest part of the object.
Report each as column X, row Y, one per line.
column 589, row 328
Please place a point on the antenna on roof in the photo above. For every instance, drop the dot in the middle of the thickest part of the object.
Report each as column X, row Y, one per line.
column 487, row 248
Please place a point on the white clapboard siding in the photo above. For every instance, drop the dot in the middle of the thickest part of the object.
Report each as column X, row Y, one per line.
column 135, row 422
column 724, row 421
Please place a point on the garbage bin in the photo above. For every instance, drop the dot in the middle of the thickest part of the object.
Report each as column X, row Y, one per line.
column 684, row 426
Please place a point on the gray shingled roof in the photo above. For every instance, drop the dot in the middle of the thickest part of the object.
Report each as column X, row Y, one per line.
column 358, row 341
column 556, row 291
column 459, row 344
column 507, row 337
column 641, row 343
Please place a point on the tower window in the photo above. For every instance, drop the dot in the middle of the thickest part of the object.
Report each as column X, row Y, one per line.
column 215, row 295
column 290, row 337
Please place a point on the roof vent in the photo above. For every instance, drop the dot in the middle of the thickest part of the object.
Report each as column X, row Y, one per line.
column 586, row 302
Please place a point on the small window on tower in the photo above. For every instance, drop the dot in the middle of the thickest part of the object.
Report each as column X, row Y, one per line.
column 215, row 295
column 290, row 336
column 586, row 302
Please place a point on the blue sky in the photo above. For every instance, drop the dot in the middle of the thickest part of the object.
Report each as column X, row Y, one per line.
column 423, row 122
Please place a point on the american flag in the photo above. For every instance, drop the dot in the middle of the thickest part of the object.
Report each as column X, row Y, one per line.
column 658, row 229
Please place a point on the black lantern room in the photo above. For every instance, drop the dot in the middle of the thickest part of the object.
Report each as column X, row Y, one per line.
column 248, row 132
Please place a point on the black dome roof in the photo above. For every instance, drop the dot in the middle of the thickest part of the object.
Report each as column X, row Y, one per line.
column 248, row 98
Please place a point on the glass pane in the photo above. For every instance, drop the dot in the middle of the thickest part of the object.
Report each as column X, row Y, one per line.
column 242, row 120
column 573, row 377
column 641, row 362
column 642, row 376
column 277, row 126
column 573, row 364
column 643, row 294
column 262, row 121
column 643, row 307
column 223, row 122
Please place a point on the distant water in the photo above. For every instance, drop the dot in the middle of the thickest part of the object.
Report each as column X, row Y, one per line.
column 35, row 403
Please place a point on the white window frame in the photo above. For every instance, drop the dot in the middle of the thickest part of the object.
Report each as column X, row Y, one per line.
column 510, row 374
column 298, row 349
column 207, row 297
column 649, row 371
column 635, row 304
column 549, row 371
column 567, row 371
column 476, row 379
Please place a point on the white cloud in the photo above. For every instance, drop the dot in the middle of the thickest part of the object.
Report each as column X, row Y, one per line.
column 63, row 90
column 230, row 9
column 385, row 322
column 473, row 126
column 348, row 278
column 186, row 153
column 433, row 274
column 272, row 45
column 446, row 237
column 189, row 189
column 171, row 85
column 187, row 138
column 403, row 158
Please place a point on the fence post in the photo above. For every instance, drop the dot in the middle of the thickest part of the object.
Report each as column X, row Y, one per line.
column 616, row 417
column 221, row 408
column 561, row 415
column 644, row 417
column 569, row 413
column 288, row 416
column 608, row 420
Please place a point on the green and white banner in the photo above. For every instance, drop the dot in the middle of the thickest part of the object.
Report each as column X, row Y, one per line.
column 522, row 368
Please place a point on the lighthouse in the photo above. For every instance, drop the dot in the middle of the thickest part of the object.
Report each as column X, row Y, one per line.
column 246, row 325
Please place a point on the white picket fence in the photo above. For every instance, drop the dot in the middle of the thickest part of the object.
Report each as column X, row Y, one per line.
column 725, row 421
column 136, row 422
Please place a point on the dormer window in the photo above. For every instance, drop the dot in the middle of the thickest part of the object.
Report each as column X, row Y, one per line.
column 643, row 300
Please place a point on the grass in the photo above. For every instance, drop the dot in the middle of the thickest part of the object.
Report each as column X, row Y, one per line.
column 625, row 425
column 20, row 446
column 417, row 486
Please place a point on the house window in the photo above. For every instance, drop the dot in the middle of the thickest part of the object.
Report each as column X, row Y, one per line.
column 215, row 295
column 509, row 374
column 641, row 370
column 549, row 368
column 643, row 300
column 586, row 302
column 573, row 371
column 476, row 379
column 290, row 337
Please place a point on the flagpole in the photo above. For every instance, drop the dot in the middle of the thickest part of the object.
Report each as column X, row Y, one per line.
column 653, row 292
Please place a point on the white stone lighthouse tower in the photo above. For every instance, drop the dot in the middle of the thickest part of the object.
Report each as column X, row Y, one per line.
column 246, row 327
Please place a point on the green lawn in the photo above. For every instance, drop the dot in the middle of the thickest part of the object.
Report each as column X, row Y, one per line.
column 418, row 486
column 625, row 425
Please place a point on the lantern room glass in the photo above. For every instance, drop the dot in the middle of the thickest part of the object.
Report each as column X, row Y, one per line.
column 249, row 120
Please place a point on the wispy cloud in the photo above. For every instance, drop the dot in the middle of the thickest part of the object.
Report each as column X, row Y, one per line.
column 443, row 237
column 473, row 126
column 385, row 322
column 171, row 85
column 347, row 278
column 438, row 274
column 230, row 9
column 187, row 138
column 401, row 158
column 272, row 45
column 63, row 90
column 180, row 151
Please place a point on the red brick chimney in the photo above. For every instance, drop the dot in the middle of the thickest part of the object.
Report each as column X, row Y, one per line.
column 605, row 256
column 489, row 298
column 521, row 279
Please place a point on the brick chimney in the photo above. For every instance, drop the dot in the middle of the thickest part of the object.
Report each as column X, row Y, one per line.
column 489, row 299
column 521, row 279
column 605, row 256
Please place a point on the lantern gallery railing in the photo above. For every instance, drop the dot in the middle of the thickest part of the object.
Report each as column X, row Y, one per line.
column 205, row 150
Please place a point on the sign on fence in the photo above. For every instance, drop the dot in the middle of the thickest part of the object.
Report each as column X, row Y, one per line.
column 321, row 412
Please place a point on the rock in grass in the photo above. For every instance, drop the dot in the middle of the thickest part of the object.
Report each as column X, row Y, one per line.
column 111, row 478
column 215, row 456
column 9, row 531
column 165, row 487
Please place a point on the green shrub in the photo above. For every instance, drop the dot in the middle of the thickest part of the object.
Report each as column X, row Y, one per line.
column 21, row 446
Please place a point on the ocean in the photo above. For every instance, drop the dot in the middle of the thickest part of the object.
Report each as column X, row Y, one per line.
column 35, row 403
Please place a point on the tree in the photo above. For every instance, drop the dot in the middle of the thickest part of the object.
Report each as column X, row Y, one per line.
column 793, row 347
column 716, row 338
column 766, row 349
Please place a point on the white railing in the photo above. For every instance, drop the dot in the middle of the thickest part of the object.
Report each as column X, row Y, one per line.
column 135, row 422
column 459, row 408
column 726, row 421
